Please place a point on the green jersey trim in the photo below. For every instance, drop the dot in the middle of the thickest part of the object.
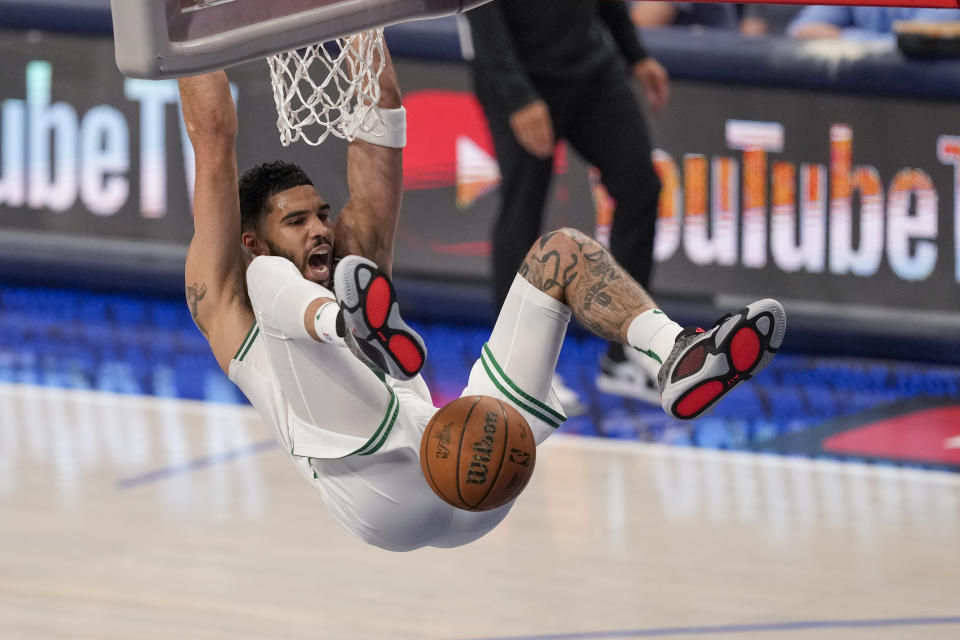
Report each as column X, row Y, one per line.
column 386, row 425
column 252, row 334
column 516, row 394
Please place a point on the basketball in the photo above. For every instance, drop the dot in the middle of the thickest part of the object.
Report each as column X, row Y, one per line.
column 477, row 453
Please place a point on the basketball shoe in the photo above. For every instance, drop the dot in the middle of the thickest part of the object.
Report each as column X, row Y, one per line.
column 705, row 365
column 569, row 399
column 375, row 332
column 625, row 376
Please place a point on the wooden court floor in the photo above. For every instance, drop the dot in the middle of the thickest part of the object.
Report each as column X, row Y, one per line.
column 132, row 517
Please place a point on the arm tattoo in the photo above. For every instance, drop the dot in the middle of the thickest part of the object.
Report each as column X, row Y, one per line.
column 195, row 293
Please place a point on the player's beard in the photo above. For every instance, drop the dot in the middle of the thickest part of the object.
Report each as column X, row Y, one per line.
column 299, row 263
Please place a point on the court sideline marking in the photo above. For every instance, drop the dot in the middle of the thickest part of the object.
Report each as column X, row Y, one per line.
column 736, row 628
column 195, row 465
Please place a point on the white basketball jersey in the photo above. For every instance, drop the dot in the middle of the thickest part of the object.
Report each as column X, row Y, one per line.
column 371, row 485
column 250, row 369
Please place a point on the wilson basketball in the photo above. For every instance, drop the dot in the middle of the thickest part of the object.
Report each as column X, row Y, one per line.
column 477, row 453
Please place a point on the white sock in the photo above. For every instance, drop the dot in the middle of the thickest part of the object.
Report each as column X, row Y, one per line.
column 325, row 324
column 652, row 334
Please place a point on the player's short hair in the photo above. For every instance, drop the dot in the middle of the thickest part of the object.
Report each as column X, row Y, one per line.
column 262, row 182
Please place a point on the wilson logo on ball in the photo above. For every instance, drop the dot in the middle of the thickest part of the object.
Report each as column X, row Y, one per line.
column 482, row 450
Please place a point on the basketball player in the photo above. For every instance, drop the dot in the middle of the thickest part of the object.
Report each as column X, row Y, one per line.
column 313, row 363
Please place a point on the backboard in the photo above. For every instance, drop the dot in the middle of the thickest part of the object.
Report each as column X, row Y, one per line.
column 169, row 38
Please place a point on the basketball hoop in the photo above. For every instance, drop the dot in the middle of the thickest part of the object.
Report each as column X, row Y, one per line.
column 328, row 88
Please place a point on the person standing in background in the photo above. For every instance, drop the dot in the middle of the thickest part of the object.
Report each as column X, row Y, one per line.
column 546, row 70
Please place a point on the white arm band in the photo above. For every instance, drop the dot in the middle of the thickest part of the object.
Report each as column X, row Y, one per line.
column 385, row 127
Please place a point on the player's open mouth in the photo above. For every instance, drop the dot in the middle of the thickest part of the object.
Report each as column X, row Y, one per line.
column 319, row 262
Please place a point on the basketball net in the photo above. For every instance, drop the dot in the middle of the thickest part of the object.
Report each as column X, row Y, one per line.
column 328, row 88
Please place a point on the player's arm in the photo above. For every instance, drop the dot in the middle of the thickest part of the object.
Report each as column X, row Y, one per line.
column 368, row 223
column 214, row 273
column 650, row 74
column 495, row 56
column 497, row 61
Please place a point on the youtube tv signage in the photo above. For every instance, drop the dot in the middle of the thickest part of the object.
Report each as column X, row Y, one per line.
column 829, row 197
column 838, row 198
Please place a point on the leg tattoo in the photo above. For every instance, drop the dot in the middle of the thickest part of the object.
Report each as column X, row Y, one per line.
column 574, row 269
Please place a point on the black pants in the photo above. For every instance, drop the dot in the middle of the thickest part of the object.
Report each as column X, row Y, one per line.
column 599, row 116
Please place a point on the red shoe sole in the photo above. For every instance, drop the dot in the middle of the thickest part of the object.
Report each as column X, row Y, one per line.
column 743, row 351
column 379, row 298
